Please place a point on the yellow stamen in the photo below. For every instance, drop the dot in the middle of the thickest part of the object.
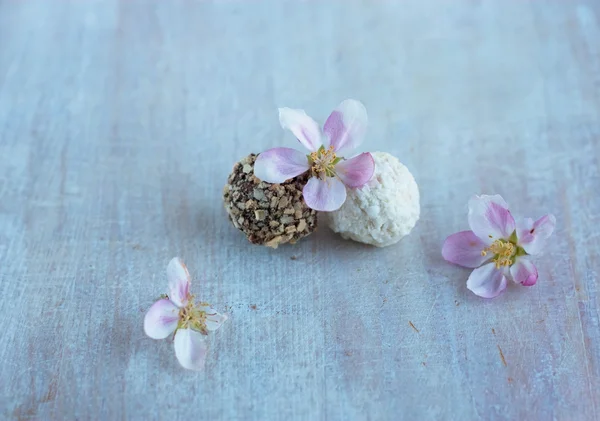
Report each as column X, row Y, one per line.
column 323, row 162
column 504, row 252
column 192, row 317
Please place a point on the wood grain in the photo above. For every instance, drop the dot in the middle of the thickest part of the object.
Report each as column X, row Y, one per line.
column 120, row 121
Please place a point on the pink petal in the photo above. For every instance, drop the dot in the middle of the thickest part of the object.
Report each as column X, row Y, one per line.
column 524, row 272
column 280, row 164
column 190, row 349
column 306, row 130
column 346, row 126
column 464, row 248
column 524, row 226
column 533, row 235
column 179, row 282
column 324, row 195
column 214, row 319
column 487, row 281
column 161, row 319
column 490, row 219
column 357, row 171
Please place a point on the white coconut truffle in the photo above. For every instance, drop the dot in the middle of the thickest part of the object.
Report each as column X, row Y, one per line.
column 383, row 211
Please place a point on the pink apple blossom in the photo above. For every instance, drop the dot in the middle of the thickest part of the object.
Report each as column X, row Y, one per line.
column 343, row 131
column 177, row 313
column 497, row 247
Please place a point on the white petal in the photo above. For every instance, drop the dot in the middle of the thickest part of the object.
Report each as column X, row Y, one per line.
column 324, row 195
column 190, row 349
column 179, row 281
column 490, row 218
column 280, row 164
column 306, row 130
column 214, row 319
column 487, row 281
column 346, row 126
column 524, row 272
column 533, row 235
column 161, row 319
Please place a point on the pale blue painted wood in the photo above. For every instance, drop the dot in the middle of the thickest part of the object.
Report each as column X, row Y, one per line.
column 119, row 122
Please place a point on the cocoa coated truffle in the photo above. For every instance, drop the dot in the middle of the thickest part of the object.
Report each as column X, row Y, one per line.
column 268, row 214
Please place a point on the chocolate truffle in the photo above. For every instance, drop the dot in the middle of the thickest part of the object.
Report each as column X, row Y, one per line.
column 268, row 214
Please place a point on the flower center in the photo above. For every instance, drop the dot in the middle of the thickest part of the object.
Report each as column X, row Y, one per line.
column 504, row 252
column 192, row 317
column 323, row 161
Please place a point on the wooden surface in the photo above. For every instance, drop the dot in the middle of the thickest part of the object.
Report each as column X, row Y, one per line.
column 120, row 121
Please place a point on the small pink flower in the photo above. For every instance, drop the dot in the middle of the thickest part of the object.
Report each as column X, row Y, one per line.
column 497, row 246
column 178, row 313
column 343, row 131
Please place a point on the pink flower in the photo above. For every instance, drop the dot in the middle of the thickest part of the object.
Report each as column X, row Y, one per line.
column 497, row 247
column 178, row 313
column 343, row 131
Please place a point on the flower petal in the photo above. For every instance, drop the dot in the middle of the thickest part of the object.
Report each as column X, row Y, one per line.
column 346, row 126
column 324, row 195
column 280, row 164
column 214, row 319
column 487, row 281
column 306, row 130
column 179, row 282
column 190, row 349
column 464, row 248
column 490, row 219
column 533, row 235
column 161, row 319
column 357, row 171
column 524, row 272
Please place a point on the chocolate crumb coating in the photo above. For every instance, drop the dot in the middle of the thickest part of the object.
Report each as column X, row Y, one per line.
column 269, row 214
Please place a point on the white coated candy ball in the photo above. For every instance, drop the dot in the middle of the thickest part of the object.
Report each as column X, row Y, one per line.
column 382, row 212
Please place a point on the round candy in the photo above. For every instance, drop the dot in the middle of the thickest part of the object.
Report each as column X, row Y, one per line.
column 268, row 214
column 384, row 210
